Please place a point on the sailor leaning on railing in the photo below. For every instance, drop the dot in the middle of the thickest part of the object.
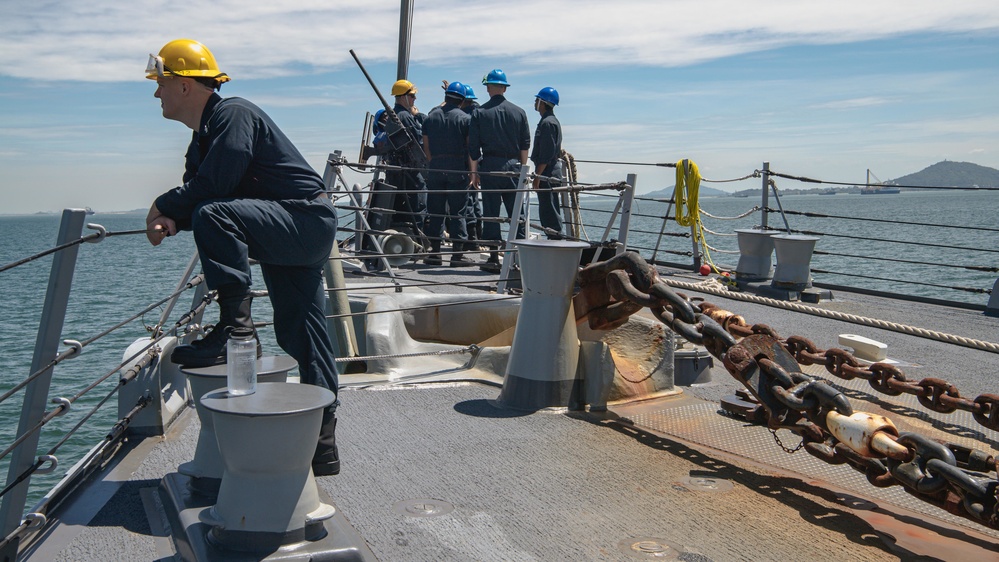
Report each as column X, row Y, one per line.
column 248, row 193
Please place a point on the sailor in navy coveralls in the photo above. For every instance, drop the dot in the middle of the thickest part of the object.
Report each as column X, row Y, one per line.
column 500, row 136
column 248, row 194
column 411, row 204
column 445, row 142
column 547, row 165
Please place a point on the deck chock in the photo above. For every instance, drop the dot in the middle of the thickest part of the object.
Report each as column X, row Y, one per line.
column 865, row 348
column 162, row 380
column 268, row 505
column 205, row 469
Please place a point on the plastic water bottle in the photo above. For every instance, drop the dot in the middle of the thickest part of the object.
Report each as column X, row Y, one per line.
column 241, row 362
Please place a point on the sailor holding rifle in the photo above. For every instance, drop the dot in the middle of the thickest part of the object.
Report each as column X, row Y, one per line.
column 412, row 205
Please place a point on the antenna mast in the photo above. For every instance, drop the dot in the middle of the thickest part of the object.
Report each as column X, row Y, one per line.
column 405, row 32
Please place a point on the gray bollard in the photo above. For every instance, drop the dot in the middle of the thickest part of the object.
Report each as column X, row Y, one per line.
column 755, row 248
column 541, row 371
column 268, row 497
column 205, row 469
column 794, row 254
column 992, row 308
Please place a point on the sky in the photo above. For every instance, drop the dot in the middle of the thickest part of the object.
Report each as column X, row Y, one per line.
column 825, row 90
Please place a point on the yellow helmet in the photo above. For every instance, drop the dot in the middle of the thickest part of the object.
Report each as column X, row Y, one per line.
column 403, row 87
column 184, row 57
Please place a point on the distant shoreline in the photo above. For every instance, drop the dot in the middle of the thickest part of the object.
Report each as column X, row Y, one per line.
column 57, row 213
column 705, row 193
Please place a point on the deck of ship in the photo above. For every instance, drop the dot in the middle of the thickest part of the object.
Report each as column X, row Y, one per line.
column 440, row 472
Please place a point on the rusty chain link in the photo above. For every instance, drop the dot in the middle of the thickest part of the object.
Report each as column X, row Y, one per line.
column 934, row 394
column 958, row 479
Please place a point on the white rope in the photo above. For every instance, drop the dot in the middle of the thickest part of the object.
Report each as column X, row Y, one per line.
column 742, row 216
column 714, row 288
column 719, row 233
column 713, row 249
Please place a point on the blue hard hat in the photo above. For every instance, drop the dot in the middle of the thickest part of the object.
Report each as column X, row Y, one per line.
column 456, row 89
column 495, row 76
column 548, row 95
column 469, row 93
column 378, row 121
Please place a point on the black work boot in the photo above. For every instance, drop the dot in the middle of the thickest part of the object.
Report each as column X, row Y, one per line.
column 435, row 257
column 326, row 460
column 492, row 265
column 234, row 312
column 459, row 260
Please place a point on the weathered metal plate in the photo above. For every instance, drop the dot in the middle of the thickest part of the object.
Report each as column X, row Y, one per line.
column 705, row 423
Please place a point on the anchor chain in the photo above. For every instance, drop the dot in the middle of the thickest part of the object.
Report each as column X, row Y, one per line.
column 934, row 394
column 958, row 479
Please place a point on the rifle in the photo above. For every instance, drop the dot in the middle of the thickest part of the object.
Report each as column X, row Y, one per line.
column 404, row 145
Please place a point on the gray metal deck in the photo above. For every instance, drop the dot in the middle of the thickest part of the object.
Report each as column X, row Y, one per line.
column 551, row 486
column 438, row 472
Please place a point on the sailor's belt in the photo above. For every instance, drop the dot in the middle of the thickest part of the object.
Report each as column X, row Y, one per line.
column 496, row 155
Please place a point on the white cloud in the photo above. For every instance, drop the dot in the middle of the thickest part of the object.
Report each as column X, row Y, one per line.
column 293, row 100
column 641, row 81
column 107, row 41
column 853, row 103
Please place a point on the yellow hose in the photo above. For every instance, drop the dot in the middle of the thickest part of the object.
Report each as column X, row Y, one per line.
column 688, row 212
column 688, row 182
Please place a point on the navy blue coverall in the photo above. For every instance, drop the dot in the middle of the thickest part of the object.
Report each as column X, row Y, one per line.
column 446, row 131
column 249, row 193
column 473, row 210
column 497, row 134
column 547, row 148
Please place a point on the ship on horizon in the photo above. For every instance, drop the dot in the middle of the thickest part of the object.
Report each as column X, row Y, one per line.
column 877, row 188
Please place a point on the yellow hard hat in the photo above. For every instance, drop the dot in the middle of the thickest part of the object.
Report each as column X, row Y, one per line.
column 184, row 57
column 403, row 87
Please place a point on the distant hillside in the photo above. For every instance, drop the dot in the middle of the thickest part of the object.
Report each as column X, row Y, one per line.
column 952, row 174
column 941, row 174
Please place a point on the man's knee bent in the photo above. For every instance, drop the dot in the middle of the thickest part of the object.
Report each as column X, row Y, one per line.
column 210, row 215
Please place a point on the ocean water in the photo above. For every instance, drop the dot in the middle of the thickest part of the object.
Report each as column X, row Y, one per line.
column 938, row 251
column 114, row 280
column 124, row 274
